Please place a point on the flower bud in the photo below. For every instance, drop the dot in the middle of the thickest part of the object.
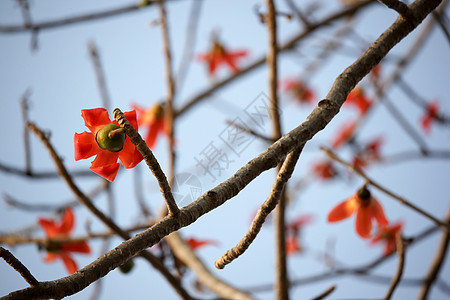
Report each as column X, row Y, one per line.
column 110, row 137
column 127, row 267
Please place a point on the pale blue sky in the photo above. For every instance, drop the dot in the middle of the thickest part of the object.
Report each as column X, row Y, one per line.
column 62, row 80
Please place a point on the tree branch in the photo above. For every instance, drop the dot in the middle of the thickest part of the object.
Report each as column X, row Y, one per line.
column 150, row 159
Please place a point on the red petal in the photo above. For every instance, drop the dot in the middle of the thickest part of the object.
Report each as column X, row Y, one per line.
column 67, row 222
column 129, row 155
column 68, row 261
column 85, row 145
column 131, row 117
column 378, row 212
column 195, row 244
column 363, row 222
column 343, row 210
column 80, row 247
column 108, row 172
column 292, row 245
column 49, row 257
column 154, row 129
column 49, row 226
column 104, row 158
column 95, row 118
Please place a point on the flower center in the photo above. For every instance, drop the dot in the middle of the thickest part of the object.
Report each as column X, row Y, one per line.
column 364, row 196
column 110, row 137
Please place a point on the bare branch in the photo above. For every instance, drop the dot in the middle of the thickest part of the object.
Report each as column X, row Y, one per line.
column 150, row 159
column 401, row 265
column 76, row 19
column 268, row 206
column 187, row 256
column 437, row 263
column 18, row 266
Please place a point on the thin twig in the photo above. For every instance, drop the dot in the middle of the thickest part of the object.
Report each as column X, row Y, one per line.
column 34, row 207
column 250, row 131
column 398, row 6
column 24, row 105
column 397, row 115
column 301, row 16
column 326, row 293
column 281, row 281
column 187, row 256
column 15, row 239
column 437, row 263
column 402, row 200
column 401, row 265
column 266, row 208
column 189, row 42
column 99, row 73
column 441, row 18
column 168, row 110
column 18, row 266
column 76, row 19
column 150, row 160
column 42, row 174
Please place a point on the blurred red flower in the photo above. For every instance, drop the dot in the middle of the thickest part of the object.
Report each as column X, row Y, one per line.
column 358, row 99
column 218, row 55
column 325, row 170
column 344, row 135
column 430, row 115
column 388, row 235
column 87, row 143
column 57, row 250
column 196, row 244
column 153, row 119
column 366, row 208
column 293, row 230
column 298, row 90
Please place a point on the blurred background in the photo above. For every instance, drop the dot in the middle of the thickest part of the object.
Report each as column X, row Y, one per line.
column 54, row 69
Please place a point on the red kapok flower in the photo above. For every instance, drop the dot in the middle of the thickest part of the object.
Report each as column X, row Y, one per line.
column 196, row 244
column 298, row 90
column 366, row 208
column 370, row 153
column 106, row 140
column 388, row 235
column 375, row 73
column 345, row 134
column 153, row 119
column 62, row 250
column 292, row 245
column 293, row 229
column 430, row 115
column 325, row 170
column 218, row 55
column 358, row 99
